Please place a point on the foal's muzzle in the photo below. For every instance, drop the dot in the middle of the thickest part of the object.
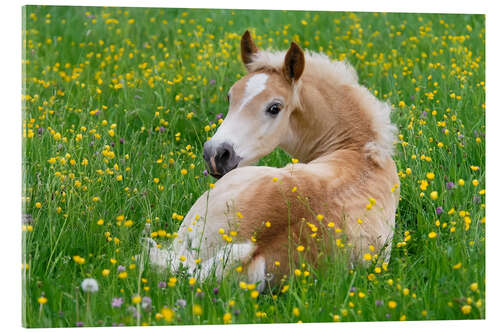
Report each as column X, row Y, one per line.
column 220, row 158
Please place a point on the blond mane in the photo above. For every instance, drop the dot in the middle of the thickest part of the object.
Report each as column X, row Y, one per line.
column 320, row 66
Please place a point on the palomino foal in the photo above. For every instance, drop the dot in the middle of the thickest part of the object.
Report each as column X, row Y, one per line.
column 256, row 216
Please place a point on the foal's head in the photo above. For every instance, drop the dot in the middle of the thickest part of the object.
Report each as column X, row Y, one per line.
column 260, row 105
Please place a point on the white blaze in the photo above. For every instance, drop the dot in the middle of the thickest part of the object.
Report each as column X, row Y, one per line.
column 255, row 85
column 233, row 126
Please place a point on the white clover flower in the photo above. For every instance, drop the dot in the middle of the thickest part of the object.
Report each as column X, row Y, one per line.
column 90, row 285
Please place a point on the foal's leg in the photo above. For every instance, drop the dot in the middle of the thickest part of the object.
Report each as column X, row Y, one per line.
column 162, row 258
column 256, row 271
column 227, row 258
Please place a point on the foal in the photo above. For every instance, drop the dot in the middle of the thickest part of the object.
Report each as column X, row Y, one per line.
column 346, row 183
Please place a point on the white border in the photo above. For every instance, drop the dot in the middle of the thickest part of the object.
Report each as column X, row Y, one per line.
column 10, row 300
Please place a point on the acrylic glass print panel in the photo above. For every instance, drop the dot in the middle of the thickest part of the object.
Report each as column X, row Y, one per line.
column 119, row 102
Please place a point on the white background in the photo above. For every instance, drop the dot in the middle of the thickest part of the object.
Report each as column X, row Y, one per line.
column 10, row 158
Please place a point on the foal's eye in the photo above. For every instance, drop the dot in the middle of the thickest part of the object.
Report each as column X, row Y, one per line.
column 274, row 109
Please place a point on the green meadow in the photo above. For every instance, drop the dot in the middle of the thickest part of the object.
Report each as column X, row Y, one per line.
column 116, row 106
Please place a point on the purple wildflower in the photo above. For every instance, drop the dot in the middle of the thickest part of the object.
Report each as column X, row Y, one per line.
column 147, row 304
column 117, row 302
column 162, row 129
column 450, row 185
column 79, row 324
column 439, row 210
column 212, row 82
column 219, row 116
column 162, row 284
column 236, row 312
column 379, row 302
column 122, row 140
column 205, row 172
column 216, row 291
column 181, row 303
column 476, row 199
column 132, row 310
column 40, row 131
column 121, row 268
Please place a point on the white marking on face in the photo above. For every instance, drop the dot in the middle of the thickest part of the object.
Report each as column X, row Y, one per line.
column 244, row 129
column 255, row 85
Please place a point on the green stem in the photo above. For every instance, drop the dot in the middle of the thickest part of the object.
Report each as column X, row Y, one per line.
column 40, row 313
column 89, row 315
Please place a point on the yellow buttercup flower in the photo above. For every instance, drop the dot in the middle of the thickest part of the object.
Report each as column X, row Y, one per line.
column 197, row 310
column 167, row 314
column 434, row 195
column 466, row 309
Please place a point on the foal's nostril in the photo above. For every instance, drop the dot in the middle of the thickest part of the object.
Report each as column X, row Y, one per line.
column 223, row 155
column 220, row 159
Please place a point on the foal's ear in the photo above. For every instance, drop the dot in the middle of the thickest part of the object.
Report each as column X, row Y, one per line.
column 294, row 63
column 248, row 48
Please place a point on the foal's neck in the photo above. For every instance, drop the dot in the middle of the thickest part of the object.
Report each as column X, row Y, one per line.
column 330, row 119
